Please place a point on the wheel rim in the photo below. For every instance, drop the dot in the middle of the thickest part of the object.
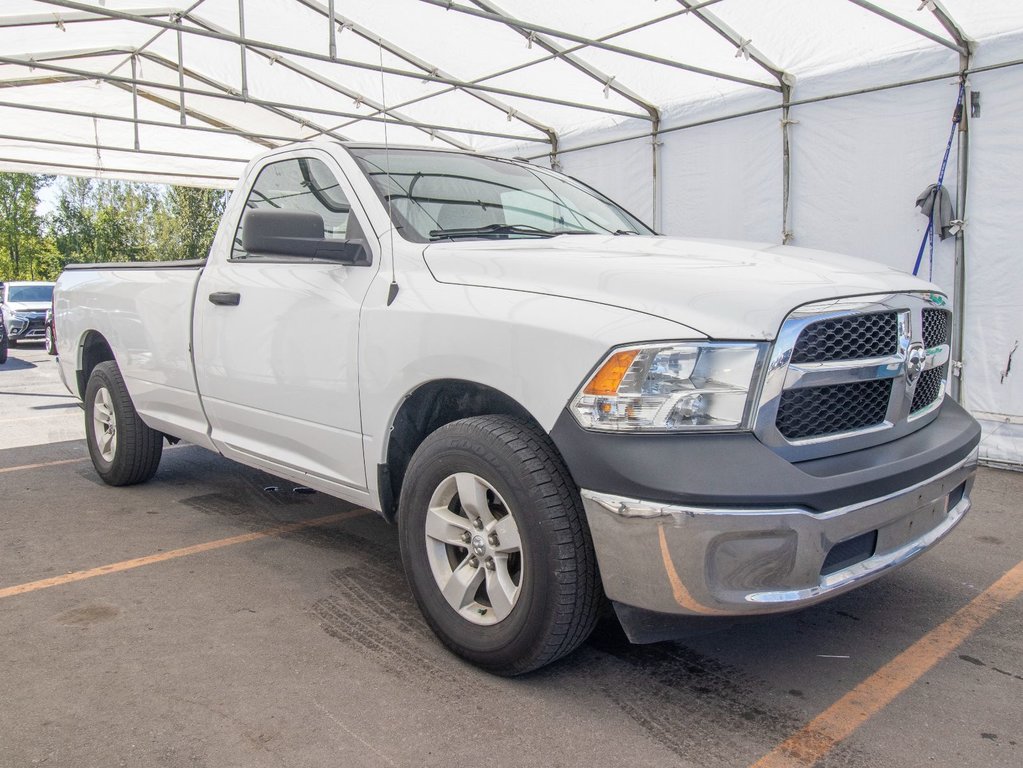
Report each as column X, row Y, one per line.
column 474, row 548
column 104, row 424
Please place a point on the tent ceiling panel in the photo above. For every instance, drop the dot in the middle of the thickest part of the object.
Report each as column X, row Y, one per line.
column 478, row 74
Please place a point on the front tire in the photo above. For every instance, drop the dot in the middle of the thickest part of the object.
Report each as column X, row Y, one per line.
column 124, row 450
column 495, row 545
column 51, row 347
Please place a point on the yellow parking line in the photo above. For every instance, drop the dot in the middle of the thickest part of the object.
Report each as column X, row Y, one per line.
column 841, row 719
column 138, row 562
column 5, row 470
column 57, row 463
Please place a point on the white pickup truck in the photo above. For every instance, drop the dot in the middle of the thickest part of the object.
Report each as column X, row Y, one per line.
column 558, row 407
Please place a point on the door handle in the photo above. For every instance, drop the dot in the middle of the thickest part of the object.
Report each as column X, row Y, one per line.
column 225, row 298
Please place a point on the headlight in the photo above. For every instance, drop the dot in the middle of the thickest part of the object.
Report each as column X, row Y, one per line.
column 673, row 386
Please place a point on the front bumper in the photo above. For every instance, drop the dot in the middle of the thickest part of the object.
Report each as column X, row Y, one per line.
column 721, row 526
column 704, row 561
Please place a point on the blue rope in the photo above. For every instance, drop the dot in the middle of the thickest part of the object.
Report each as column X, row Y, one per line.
column 928, row 241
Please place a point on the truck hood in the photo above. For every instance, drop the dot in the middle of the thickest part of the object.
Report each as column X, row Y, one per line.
column 28, row 306
column 723, row 289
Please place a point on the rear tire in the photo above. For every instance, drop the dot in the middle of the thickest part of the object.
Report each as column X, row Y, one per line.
column 124, row 450
column 51, row 348
column 533, row 594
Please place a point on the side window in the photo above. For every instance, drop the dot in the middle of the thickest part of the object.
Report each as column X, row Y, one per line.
column 301, row 184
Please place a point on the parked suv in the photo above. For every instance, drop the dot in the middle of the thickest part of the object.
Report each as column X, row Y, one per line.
column 24, row 307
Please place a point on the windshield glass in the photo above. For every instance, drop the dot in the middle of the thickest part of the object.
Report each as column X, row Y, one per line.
column 449, row 195
column 30, row 293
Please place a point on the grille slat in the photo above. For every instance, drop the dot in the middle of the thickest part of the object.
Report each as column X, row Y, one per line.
column 848, row 338
column 937, row 327
column 820, row 411
column 928, row 388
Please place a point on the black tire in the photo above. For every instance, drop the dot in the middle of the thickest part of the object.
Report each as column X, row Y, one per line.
column 3, row 349
column 134, row 454
column 559, row 596
column 51, row 348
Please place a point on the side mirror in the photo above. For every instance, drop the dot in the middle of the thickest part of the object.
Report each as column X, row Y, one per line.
column 297, row 234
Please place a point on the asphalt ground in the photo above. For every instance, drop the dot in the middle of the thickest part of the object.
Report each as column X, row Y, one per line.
column 215, row 617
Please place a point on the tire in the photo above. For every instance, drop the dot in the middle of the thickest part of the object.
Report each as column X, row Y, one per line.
column 124, row 450
column 51, row 348
column 3, row 350
column 534, row 602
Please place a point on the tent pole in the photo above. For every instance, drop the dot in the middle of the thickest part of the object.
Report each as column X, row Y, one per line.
column 959, row 279
column 181, row 77
column 135, row 99
column 786, row 163
column 332, row 30
column 655, row 146
column 241, row 47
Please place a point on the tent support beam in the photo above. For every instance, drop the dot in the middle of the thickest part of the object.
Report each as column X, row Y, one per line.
column 427, row 68
column 227, row 95
column 896, row 19
column 129, row 150
column 126, row 172
column 135, row 99
column 326, row 82
column 494, row 13
column 792, row 103
column 215, row 126
column 241, row 48
column 181, row 76
column 428, row 77
column 552, row 56
column 537, row 29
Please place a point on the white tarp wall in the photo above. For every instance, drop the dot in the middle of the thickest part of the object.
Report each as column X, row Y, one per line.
column 187, row 91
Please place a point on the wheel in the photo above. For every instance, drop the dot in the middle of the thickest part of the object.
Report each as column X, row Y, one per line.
column 51, row 348
column 124, row 450
column 3, row 348
column 495, row 545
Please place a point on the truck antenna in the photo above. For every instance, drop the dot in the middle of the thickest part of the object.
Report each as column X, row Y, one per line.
column 392, row 291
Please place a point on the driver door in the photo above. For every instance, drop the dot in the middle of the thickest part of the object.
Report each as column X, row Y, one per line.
column 277, row 360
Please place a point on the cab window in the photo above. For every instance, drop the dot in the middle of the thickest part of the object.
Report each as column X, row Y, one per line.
column 300, row 184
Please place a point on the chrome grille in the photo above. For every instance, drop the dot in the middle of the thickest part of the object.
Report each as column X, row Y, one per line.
column 937, row 326
column 850, row 373
column 929, row 388
column 848, row 338
column 819, row 411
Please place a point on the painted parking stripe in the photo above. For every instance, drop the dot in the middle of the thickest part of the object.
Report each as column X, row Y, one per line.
column 5, row 470
column 138, row 562
column 841, row 719
column 59, row 462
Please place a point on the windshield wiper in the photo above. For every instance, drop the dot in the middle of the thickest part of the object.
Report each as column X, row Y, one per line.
column 502, row 229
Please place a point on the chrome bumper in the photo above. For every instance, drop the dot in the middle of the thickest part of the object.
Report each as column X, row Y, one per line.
column 704, row 561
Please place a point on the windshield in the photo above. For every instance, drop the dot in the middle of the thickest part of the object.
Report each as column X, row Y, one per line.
column 29, row 293
column 449, row 195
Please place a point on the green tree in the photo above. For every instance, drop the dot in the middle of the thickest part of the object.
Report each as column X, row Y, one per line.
column 21, row 241
column 189, row 222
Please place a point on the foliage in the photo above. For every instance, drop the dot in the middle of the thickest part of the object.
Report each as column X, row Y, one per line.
column 21, row 231
column 101, row 221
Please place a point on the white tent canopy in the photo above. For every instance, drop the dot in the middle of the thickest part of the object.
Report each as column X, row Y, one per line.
column 815, row 122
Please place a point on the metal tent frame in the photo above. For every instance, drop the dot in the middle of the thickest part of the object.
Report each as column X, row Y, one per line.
column 180, row 86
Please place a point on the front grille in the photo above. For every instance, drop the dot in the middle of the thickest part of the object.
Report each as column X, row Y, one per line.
column 928, row 389
column 848, row 338
column 819, row 411
column 937, row 326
